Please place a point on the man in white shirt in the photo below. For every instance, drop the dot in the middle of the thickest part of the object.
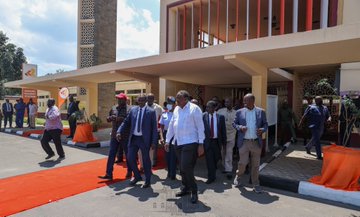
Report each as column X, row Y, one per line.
column 227, row 151
column 32, row 113
column 251, row 123
column 158, row 110
column 187, row 128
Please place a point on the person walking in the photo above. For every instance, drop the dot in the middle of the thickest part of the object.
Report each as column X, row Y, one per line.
column 251, row 123
column 142, row 124
column 164, row 122
column 187, row 130
column 286, row 120
column 215, row 139
column 53, row 130
column 316, row 116
column 116, row 117
column 73, row 107
column 158, row 110
column 227, row 150
column 8, row 111
column 32, row 112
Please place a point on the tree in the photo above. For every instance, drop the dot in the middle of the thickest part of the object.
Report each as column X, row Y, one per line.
column 349, row 113
column 11, row 60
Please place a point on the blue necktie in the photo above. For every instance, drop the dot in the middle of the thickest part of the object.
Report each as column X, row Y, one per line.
column 139, row 121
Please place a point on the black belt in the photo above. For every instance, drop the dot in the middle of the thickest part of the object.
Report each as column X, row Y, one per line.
column 251, row 140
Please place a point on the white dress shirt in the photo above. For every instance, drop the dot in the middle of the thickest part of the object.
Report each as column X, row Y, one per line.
column 215, row 124
column 32, row 109
column 186, row 125
column 136, row 133
column 250, row 124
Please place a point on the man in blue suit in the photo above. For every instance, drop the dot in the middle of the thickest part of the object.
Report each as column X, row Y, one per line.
column 142, row 123
column 8, row 111
column 317, row 115
column 251, row 123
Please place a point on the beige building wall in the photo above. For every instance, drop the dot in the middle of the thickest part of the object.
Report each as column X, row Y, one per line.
column 351, row 11
column 350, row 76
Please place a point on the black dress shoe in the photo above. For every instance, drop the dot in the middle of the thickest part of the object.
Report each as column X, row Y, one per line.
column 182, row 193
column 209, row 181
column 106, row 177
column 134, row 181
column 319, row 158
column 308, row 150
column 146, row 185
column 49, row 156
column 194, row 198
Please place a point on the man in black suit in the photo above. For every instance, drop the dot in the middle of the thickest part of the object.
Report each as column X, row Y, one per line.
column 142, row 123
column 73, row 107
column 8, row 111
column 215, row 138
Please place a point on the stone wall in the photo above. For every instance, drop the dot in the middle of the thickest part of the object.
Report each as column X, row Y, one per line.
column 105, row 31
column 106, row 97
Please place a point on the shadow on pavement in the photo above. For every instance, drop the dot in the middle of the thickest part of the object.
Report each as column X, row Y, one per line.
column 49, row 163
column 263, row 198
column 184, row 204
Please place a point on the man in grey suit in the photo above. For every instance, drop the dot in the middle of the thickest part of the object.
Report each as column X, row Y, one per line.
column 251, row 123
column 215, row 138
column 142, row 123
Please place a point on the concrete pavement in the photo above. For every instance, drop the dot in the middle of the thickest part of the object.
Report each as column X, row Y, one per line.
column 21, row 155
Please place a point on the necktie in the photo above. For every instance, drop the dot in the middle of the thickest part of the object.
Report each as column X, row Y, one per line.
column 8, row 107
column 212, row 126
column 139, row 121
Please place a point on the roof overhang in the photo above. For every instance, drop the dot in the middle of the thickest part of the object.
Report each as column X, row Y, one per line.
column 208, row 66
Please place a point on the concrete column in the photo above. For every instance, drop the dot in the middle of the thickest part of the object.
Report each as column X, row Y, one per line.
column 258, row 73
column 259, row 89
column 105, row 98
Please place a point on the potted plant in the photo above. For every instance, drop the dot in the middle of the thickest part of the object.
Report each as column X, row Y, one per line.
column 95, row 122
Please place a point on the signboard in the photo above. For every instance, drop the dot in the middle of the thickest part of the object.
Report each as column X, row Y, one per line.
column 29, row 71
column 272, row 109
column 63, row 95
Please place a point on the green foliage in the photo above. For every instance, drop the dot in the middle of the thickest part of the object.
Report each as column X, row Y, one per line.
column 11, row 60
column 323, row 84
column 95, row 122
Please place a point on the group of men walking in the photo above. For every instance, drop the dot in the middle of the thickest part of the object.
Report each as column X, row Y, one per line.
column 186, row 133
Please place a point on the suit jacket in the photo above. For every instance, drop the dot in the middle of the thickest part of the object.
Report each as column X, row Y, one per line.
column 73, row 107
column 316, row 115
column 221, row 129
column 4, row 110
column 149, row 125
column 240, row 120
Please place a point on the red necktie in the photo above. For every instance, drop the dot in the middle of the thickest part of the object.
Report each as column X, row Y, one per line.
column 212, row 126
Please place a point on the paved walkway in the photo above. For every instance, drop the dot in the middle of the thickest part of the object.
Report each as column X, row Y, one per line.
column 22, row 155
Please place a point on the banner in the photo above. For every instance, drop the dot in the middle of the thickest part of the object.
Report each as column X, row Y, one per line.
column 63, row 95
column 29, row 71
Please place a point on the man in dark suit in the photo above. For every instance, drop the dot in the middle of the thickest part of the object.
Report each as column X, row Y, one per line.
column 251, row 123
column 142, row 123
column 317, row 115
column 215, row 138
column 8, row 111
column 73, row 107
